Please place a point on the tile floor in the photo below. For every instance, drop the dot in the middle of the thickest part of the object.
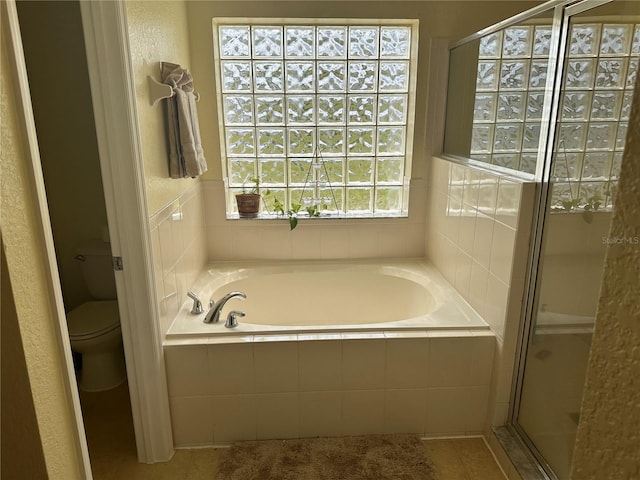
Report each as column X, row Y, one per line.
column 112, row 448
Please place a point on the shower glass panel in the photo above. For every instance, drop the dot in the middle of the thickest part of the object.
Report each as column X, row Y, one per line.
column 496, row 95
column 599, row 71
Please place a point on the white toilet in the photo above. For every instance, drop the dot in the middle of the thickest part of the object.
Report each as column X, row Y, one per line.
column 94, row 327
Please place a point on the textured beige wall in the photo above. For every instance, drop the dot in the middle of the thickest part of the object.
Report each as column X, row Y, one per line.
column 158, row 32
column 26, row 261
column 608, row 438
column 61, row 98
column 437, row 19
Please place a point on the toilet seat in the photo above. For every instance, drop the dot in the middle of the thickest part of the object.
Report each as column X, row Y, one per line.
column 92, row 319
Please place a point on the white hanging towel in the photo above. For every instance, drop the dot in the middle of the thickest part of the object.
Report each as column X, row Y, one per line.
column 186, row 157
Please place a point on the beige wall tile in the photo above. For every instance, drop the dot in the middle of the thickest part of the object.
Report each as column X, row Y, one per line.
column 320, row 414
column 187, row 371
column 234, row 418
column 277, row 416
column 502, row 247
column 363, row 364
column 320, row 365
column 449, row 361
column 276, row 366
column 191, row 421
column 231, row 367
column 363, row 412
column 405, row 411
column 406, row 365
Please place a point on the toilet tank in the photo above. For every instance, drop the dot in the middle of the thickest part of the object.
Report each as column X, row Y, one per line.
column 97, row 269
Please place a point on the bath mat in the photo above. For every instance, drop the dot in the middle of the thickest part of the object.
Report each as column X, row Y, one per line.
column 370, row 457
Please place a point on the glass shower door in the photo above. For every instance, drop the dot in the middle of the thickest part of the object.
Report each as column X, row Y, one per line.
column 600, row 65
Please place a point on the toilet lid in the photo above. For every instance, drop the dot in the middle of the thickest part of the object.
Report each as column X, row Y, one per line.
column 93, row 318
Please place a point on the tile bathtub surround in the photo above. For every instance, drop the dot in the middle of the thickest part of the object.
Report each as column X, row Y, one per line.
column 179, row 252
column 315, row 239
column 433, row 385
column 477, row 234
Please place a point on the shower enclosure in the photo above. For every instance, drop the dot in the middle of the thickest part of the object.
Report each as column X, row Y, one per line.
column 546, row 96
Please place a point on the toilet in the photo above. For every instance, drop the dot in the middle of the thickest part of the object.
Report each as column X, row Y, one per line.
column 94, row 326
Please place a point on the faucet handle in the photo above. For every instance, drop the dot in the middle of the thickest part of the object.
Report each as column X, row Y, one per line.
column 231, row 318
column 197, row 304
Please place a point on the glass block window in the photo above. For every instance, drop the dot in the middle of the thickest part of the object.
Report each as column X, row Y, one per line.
column 291, row 94
column 600, row 70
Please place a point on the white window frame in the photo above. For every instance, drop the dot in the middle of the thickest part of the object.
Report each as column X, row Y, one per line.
column 403, row 184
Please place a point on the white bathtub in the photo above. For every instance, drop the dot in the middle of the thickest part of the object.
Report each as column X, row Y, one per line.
column 312, row 297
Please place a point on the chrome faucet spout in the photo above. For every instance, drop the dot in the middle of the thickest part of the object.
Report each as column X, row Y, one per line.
column 213, row 315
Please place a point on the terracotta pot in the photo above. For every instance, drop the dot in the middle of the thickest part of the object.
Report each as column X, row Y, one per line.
column 248, row 204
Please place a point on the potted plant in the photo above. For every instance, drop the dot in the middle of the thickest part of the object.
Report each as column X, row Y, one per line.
column 292, row 213
column 249, row 200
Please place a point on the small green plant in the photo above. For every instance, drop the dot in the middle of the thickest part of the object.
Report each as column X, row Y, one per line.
column 253, row 190
column 292, row 213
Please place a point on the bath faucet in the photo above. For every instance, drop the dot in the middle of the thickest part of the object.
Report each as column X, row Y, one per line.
column 213, row 315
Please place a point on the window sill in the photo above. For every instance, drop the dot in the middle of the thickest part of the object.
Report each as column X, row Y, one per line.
column 304, row 218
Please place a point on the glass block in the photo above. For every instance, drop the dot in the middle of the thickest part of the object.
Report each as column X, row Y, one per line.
column 535, row 103
column 506, row 160
column 517, row 42
column 490, row 45
column 301, row 141
column 300, row 109
column 361, row 140
column 481, row 138
column 238, row 109
column 571, row 136
column 575, row 105
column 395, row 42
column 299, row 169
column 331, row 141
column 300, row 196
column 240, row 141
column 606, row 105
column 510, row 106
column 271, row 141
column 507, row 137
column 611, row 73
column 531, row 136
column 487, row 78
column 268, row 76
column 597, row 165
column 272, row 171
column 362, row 76
column 359, row 200
column 392, row 109
column 611, row 193
column 241, row 171
column 299, row 41
column 627, row 100
column 541, row 41
column 592, row 192
column 601, row 136
column 267, row 41
column 276, row 193
column 635, row 44
column 621, row 135
column 394, row 76
column 331, row 109
column 567, row 166
column 580, row 74
column 584, row 40
column 528, row 163
column 616, row 164
column 236, row 76
column 363, row 42
column 332, row 42
column 332, row 199
column 360, row 170
column 538, row 75
column 362, row 109
column 390, row 169
column 615, row 39
column 269, row 110
column 513, row 75
column 388, row 199
column 632, row 73
column 391, row 140
column 234, row 41
column 563, row 195
column 481, row 158
column 300, row 76
column 335, row 170
column 484, row 109
column 331, row 76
